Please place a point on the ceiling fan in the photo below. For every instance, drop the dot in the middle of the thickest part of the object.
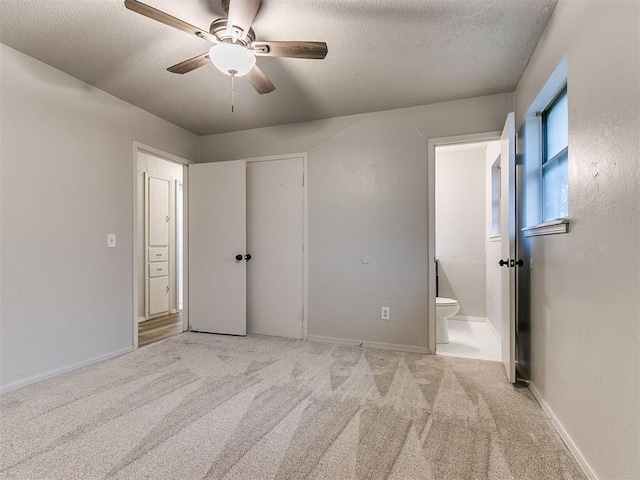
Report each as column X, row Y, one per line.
column 234, row 47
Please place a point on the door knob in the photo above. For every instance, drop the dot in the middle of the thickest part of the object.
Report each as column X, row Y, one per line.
column 516, row 263
column 504, row 263
column 247, row 257
column 238, row 258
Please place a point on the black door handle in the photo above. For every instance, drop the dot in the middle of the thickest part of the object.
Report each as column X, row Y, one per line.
column 238, row 258
column 247, row 257
column 516, row 263
column 504, row 263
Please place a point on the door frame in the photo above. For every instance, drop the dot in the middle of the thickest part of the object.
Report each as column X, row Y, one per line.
column 432, row 143
column 305, row 224
column 180, row 215
column 139, row 147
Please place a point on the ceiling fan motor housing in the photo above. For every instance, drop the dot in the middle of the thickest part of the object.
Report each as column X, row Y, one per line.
column 218, row 29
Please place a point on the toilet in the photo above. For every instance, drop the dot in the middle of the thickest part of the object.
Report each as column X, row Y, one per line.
column 445, row 308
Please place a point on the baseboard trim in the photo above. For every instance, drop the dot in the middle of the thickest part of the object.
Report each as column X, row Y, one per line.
column 566, row 438
column 60, row 371
column 468, row 318
column 358, row 343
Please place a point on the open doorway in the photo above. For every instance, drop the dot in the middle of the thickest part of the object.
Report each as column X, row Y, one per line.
column 160, row 252
column 509, row 217
column 467, row 232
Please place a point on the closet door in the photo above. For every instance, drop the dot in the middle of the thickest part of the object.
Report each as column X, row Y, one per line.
column 217, row 247
column 158, row 212
column 275, row 207
column 158, row 295
column 158, row 246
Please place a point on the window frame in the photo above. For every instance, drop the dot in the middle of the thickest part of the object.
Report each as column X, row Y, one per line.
column 544, row 115
column 532, row 153
column 544, row 161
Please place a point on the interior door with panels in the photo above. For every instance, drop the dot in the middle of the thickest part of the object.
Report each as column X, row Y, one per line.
column 158, row 295
column 217, row 247
column 275, row 220
column 158, row 246
column 158, row 212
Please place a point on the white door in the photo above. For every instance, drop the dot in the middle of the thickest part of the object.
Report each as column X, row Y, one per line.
column 158, row 212
column 508, row 245
column 275, row 207
column 158, row 295
column 217, row 235
column 158, row 242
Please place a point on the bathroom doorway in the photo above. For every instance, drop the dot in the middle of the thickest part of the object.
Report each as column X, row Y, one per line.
column 159, row 247
column 467, row 249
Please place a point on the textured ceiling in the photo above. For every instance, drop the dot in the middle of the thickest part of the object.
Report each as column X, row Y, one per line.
column 383, row 54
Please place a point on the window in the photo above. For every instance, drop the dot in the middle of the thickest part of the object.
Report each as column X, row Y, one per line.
column 543, row 146
column 555, row 146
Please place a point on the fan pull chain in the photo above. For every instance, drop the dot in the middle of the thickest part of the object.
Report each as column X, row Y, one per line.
column 233, row 75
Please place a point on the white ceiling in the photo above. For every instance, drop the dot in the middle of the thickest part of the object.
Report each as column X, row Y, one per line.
column 383, row 54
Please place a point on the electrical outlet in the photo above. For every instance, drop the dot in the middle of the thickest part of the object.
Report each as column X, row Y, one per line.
column 384, row 313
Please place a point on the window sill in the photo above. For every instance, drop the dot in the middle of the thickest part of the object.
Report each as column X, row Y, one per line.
column 495, row 238
column 554, row 227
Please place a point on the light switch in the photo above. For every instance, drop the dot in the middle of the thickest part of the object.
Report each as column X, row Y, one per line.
column 111, row 240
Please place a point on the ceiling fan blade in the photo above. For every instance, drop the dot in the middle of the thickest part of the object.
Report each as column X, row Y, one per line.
column 241, row 14
column 313, row 50
column 191, row 64
column 167, row 19
column 259, row 80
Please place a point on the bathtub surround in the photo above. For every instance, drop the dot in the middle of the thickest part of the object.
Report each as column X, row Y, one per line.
column 207, row 406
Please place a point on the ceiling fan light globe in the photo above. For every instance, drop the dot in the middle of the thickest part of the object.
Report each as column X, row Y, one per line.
column 231, row 57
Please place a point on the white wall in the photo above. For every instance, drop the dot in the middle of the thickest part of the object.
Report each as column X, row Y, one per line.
column 460, row 226
column 367, row 198
column 586, row 284
column 67, row 181
column 493, row 252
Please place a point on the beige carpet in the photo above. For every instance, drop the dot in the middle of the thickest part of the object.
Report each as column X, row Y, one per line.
column 206, row 406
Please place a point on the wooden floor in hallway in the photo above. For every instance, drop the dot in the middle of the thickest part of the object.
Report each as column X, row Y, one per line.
column 156, row 329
